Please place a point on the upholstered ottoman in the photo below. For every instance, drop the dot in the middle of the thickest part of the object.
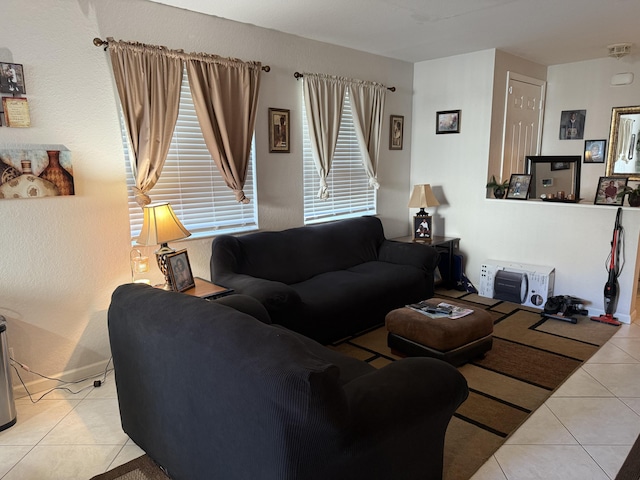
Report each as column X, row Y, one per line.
column 414, row 334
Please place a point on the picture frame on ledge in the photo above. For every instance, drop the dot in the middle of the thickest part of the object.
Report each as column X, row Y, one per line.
column 180, row 271
column 519, row 186
column 279, row 140
column 608, row 189
column 422, row 228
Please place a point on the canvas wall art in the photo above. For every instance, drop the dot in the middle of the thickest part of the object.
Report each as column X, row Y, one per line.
column 32, row 171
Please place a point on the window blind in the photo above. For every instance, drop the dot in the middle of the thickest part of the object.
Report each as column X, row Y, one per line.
column 349, row 191
column 192, row 183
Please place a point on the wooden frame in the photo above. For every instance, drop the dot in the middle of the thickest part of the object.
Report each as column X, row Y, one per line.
column 448, row 121
column 16, row 112
column 422, row 228
column 519, row 186
column 396, row 132
column 595, row 151
column 279, row 140
column 180, row 271
column 12, row 79
column 609, row 189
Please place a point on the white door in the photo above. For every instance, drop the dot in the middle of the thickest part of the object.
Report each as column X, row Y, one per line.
column 524, row 108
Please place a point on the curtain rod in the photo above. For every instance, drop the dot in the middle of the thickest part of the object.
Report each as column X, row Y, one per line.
column 98, row 42
column 299, row 75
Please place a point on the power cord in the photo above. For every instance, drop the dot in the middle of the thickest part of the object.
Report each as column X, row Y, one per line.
column 96, row 383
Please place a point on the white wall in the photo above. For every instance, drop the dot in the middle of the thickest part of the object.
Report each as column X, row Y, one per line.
column 575, row 239
column 62, row 257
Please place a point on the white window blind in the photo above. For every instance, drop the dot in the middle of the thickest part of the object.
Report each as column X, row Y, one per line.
column 349, row 191
column 192, row 183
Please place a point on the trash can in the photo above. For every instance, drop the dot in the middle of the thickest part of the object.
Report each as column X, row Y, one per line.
column 7, row 404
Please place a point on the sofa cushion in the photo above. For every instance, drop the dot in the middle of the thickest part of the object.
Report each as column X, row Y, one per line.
column 297, row 254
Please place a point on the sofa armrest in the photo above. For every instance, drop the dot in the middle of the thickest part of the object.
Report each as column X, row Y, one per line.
column 420, row 256
column 273, row 295
column 246, row 304
column 406, row 392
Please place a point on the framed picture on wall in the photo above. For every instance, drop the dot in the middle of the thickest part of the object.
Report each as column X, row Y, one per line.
column 572, row 124
column 279, row 141
column 448, row 121
column 595, row 151
column 519, row 186
column 12, row 79
column 396, row 132
column 609, row 189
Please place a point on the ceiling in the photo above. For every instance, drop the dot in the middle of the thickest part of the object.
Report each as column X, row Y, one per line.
column 548, row 32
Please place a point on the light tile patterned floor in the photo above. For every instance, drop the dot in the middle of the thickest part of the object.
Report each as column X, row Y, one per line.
column 583, row 431
column 586, row 428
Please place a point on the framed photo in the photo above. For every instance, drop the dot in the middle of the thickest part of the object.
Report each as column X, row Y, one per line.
column 396, row 132
column 422, row 228
column 12, row 79
column 608, row 189
column 279, row 141
column 595, row 151
column 572, row 124
column 519, row 186
column 180, row 271
column 448, row 121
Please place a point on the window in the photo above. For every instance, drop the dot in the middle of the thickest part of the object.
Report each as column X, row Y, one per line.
column 349, row 192
column 192, row 183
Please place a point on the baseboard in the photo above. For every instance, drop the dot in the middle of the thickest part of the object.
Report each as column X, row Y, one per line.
column 41, row 385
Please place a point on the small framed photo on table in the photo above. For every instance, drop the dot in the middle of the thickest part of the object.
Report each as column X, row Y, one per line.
column 180, row 271
column 609, row 189
column 421, row 228
column 519, row 186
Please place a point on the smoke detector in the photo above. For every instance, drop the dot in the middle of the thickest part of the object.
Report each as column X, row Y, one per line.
column 619, row 50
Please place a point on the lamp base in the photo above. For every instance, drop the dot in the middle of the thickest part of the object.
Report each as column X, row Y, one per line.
column 161, row 258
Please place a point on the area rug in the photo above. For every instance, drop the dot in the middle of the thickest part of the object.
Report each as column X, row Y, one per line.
column 630, row 469
column 530, row 358
column 141, row 468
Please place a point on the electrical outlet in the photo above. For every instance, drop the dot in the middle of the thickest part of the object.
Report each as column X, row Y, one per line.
column 11, row 354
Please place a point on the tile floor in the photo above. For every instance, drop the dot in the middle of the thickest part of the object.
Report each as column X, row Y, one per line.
column 584, row 431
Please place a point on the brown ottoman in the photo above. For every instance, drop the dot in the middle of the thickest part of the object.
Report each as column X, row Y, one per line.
column 455, row 341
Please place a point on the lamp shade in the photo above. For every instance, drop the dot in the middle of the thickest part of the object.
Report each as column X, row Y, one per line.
column 422, row 197
column 160, row 225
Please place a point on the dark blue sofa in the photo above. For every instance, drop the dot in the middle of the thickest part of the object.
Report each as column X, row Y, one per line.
column 325, row 281
column 210, row 392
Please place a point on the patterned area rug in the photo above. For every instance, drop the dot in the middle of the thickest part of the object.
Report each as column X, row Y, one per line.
column 530, row 358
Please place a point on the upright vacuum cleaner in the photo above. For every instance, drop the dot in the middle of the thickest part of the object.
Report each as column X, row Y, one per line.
column 614, row 268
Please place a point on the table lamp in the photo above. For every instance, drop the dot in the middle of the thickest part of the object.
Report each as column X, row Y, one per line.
column 422, row 197
column 160, row 226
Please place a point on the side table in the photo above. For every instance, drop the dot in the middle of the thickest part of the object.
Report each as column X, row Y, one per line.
column 207, row 290
column 445, row 245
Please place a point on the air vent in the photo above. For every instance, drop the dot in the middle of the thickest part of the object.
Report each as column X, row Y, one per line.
column 619, row 50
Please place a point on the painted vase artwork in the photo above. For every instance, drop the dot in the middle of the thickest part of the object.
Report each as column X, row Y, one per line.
column 32, row 171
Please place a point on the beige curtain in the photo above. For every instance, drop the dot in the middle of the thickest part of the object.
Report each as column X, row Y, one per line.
column 225, row 95
column 324, row 98
column 367, row 106
column 148, row 79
